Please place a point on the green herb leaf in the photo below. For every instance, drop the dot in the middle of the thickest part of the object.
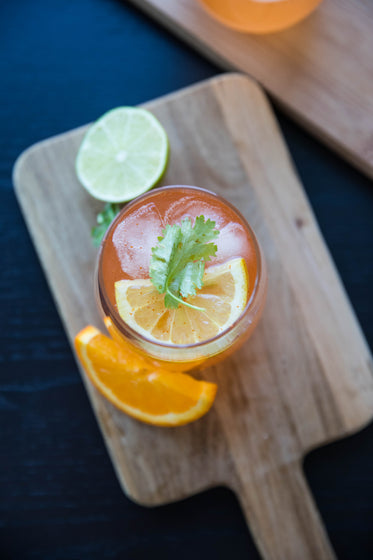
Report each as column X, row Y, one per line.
column 178, row 260
column 104, row 220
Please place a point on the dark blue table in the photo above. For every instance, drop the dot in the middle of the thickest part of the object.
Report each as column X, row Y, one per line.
column 62, row 64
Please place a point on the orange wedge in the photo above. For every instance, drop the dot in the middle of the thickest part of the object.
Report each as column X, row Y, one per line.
column 154, row 396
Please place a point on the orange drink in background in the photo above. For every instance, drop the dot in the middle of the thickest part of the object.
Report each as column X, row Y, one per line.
column 260, row 16
column 220, row 317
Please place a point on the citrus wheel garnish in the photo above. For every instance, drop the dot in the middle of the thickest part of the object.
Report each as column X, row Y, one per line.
column 221, row 301
column 154, row 396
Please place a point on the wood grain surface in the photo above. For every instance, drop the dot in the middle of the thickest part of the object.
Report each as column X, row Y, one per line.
column 303, row 379
column 320, row 71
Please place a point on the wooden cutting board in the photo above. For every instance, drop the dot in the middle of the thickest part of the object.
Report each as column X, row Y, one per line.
column 320, row 71
column 303, row 379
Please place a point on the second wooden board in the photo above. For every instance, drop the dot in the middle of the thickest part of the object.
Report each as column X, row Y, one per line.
column 320, row 71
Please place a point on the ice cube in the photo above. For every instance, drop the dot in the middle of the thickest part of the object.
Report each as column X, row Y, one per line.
column 231, row 242
column 189, row 207
column 134, row 238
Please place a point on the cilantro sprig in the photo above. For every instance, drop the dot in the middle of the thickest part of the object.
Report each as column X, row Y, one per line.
column 178, row 260
column 104, row 220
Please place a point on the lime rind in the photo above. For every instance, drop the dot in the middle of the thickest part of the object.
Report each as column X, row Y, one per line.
column 123, row 154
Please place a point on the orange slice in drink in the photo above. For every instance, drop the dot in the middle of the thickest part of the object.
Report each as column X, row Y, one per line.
column 154, row 396
column 223, row 298
column 136, row 356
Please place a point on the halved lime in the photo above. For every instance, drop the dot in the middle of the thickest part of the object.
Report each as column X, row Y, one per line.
column 122, row 155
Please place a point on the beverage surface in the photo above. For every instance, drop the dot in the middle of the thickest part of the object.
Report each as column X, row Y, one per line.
column 260, row 16
column 126, row 251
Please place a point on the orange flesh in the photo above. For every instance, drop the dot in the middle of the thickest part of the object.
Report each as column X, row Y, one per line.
column 152, row 395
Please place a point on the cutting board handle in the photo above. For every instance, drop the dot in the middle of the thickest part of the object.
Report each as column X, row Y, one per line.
column 282, row 515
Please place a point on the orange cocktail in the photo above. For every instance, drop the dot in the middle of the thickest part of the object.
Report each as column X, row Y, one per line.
column 189, row 335
column 260, row 16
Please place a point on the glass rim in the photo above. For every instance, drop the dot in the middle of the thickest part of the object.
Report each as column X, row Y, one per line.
column 123, row 327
